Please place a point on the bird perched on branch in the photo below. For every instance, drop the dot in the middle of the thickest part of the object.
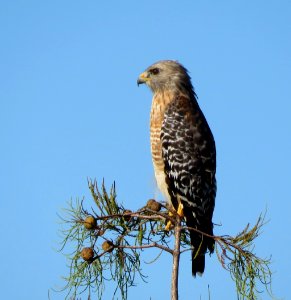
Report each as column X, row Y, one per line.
column 183, row 152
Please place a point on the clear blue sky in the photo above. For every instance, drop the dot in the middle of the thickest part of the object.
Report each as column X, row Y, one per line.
column 71, row 109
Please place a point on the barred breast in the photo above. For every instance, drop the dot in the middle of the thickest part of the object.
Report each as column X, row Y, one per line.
column 159, row 104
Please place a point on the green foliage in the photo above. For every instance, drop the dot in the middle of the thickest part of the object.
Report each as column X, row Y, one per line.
column 249, row 271
column 117, row 237
column 128, row 232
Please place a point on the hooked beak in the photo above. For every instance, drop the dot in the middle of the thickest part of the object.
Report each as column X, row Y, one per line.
column 143, row 78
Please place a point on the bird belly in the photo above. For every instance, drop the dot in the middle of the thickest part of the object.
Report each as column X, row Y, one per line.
column 157, row 116
column 161, row 183
column 158, row 162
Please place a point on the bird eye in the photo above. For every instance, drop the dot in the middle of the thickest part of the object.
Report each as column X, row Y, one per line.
column 155, row 71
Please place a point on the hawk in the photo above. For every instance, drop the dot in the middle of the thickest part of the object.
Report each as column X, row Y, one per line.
column 183, row 152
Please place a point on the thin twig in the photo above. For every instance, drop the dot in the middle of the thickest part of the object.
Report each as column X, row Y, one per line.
column 176, row 258
column 153, row 245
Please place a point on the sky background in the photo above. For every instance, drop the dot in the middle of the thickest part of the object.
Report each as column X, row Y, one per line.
column 71, row 109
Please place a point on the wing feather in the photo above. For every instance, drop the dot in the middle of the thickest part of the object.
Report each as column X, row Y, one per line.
column 188, row 151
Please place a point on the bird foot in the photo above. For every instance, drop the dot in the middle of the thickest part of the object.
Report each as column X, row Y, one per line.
column 169, row 225
column 180, row 212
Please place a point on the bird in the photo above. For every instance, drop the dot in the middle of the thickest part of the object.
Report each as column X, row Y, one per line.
column 183, row 153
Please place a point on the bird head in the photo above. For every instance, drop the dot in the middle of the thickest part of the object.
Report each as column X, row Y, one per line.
column 166, row 75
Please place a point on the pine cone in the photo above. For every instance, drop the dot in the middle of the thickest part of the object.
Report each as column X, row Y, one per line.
column 107, row 246
column 87, row 254
column 90, row 223
column 153, row 205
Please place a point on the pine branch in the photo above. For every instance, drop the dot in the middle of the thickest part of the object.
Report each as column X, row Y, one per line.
column 108, row 240
column 176, row 259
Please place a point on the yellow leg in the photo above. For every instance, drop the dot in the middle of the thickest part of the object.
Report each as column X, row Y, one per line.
column 169, row 223
column 179, row 212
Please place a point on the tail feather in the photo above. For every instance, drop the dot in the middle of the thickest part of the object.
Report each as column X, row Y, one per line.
column 198, row 264
column 200, row 245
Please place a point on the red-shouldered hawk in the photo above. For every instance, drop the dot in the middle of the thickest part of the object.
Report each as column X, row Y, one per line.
column 183, row 152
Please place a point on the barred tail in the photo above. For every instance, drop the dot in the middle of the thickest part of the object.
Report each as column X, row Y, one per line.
column 200, row 244
column 198, row 264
